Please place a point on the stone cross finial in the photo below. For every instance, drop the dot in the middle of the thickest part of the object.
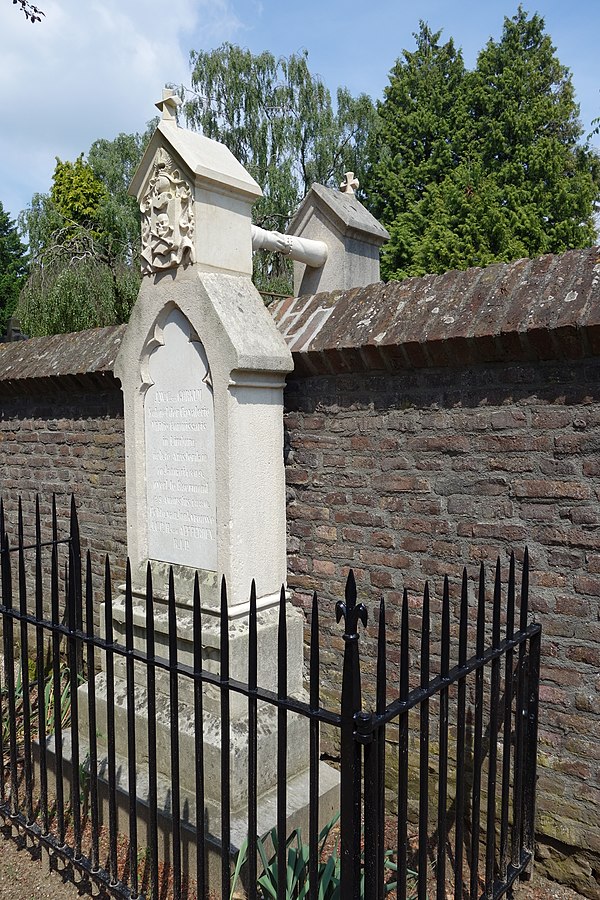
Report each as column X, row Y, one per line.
column 168, row 105
column 349, row 184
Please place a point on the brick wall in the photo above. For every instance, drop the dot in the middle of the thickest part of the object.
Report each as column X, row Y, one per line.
column 61, row 432
column 430, row 424
column 453, row 456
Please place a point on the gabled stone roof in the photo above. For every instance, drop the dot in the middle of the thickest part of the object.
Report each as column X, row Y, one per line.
column 207, row 160
column 345, row 210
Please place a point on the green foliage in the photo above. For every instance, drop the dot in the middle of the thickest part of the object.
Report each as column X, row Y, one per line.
column 13, row 267
column 418, row 118
column 297, row 867
column 75, row 288
column 114, row 163
column 42, row 686
column 278, row 120
column 482, row 166
column 76, row 193
column 84, row 239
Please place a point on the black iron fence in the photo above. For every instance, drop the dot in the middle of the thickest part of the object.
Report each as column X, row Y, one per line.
column 437, row 787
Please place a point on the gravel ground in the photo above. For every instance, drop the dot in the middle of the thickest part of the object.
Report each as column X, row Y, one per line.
column 25, row 876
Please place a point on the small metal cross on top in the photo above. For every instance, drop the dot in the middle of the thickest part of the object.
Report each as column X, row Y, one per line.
column 349, row 184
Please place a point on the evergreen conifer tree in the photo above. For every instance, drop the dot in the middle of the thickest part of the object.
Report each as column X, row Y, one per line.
column 513, row 179
column 13, row 267
column 412, row 147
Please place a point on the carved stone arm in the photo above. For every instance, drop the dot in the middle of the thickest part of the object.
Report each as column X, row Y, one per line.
column 312, row 253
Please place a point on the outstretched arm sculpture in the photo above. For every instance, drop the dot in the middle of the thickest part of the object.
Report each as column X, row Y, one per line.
column 312, row 253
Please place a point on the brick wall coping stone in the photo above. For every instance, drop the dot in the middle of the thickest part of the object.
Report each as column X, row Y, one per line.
column 83, row 355
column 544, row 308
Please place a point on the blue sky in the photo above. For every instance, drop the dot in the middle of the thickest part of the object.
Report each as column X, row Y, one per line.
column 92, row 69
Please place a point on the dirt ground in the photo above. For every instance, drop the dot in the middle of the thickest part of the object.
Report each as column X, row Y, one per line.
column 24, row 876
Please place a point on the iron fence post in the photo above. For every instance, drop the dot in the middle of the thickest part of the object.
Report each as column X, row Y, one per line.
column 350, row 778
column 369, row 739
column 533, row 683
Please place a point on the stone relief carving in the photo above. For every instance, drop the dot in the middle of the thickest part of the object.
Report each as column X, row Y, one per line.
column 167, row 218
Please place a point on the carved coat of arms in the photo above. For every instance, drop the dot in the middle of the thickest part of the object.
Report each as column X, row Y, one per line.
column 167, row 218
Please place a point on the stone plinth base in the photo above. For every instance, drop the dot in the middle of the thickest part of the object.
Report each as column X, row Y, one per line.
column 297, row 793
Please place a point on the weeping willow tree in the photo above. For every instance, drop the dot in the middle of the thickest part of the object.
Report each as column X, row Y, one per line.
column 84, row 239
column 76, row 286
column 278, row 120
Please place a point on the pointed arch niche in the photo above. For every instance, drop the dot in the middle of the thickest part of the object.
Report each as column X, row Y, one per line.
column 179, row 426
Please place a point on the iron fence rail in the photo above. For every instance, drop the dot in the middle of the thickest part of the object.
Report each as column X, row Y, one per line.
column 485, row 749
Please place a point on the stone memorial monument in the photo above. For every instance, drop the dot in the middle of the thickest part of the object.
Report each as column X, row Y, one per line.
column 352, row 235
column 202, row 368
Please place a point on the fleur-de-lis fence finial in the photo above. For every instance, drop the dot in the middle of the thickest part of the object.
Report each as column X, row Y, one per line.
column 350, row 610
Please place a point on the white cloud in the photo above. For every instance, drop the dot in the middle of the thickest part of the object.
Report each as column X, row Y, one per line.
column 89, row 70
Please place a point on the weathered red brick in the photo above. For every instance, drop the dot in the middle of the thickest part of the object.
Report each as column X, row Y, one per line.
column 381, row 579
column 323, row 567
column 588, row 655
column 552, row 490
column 586, row 585
column 400, row 483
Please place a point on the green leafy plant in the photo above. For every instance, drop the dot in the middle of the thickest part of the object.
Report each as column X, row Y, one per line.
column 297, row 868
column 47, row 685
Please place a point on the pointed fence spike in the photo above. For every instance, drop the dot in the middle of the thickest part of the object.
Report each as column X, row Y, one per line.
column 38, row 521
column 350, row 592
column 282, row 647
column 481, row 612
column 425, row 637
column 224, row 643
column 197, row 623
column 510, row 602
column 74, row 521
column 108, row 595
column 497, row 605
column 464, row 617
column 524, row 592
column 314, row 653
column 253, row 639
column 445, row 655
column 404, row 647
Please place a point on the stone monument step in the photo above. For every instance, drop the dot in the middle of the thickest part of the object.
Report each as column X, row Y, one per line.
column 297, row 739
column 267, row 640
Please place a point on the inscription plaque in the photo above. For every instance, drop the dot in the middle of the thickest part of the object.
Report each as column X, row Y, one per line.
column 180, row 450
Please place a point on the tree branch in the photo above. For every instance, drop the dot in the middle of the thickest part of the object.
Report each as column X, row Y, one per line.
column 31, row 12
